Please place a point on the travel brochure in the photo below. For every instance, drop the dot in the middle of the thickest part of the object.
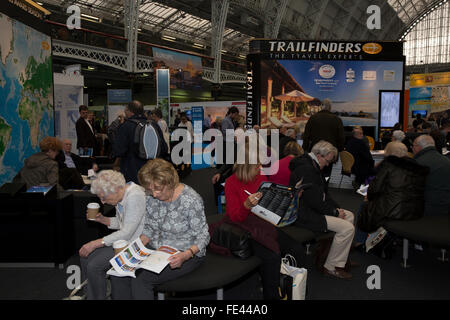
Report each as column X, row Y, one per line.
column 136, row 256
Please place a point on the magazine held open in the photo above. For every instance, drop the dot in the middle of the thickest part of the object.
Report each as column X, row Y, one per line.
column 136, row 256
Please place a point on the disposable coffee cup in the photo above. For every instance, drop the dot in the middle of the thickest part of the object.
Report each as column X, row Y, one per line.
column 92, row 210
column 119, row 245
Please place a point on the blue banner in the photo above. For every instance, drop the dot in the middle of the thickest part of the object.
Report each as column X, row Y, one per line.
column 163, row 92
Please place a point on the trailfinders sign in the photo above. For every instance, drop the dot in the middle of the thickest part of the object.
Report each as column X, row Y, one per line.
column 327, row 50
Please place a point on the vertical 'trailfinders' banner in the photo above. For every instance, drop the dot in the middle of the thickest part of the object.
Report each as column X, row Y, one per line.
column 288, row 80
column 163, row 92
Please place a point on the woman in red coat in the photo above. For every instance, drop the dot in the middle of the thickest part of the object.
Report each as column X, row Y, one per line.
column 268, row 242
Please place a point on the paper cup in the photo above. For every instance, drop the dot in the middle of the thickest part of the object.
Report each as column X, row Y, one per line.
column 92, row 210
column 119, row 245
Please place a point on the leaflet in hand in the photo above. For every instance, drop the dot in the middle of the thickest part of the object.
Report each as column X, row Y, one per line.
column 137, row 256
column 363, row 189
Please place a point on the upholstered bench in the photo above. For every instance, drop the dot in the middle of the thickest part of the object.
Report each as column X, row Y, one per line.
column 434, row 230
column 215, row 272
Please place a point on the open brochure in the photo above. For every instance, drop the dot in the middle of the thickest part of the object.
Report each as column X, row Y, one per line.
column 374, row 238
column 136, row 256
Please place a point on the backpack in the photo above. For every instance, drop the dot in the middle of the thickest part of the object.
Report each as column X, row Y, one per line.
column 149, row 140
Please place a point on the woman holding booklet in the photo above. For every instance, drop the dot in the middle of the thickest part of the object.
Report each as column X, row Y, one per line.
column 129, row 201
column 268, row 242
column 175, row 218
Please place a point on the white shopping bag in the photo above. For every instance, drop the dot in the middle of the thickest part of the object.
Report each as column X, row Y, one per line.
column 299, row 277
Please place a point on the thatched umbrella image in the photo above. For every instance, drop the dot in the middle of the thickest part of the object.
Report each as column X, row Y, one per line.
column 295, row 96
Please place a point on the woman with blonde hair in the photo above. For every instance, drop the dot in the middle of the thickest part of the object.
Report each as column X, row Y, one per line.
column 129, row 201
column 175, row 217
column 268, row 242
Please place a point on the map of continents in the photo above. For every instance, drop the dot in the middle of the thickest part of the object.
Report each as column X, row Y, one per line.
column 26, row 94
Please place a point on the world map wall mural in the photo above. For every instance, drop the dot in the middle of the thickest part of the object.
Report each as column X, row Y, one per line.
column 26, row 94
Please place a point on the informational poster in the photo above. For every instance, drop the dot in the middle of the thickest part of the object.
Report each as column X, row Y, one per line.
column 68, row 98
column 290, row 80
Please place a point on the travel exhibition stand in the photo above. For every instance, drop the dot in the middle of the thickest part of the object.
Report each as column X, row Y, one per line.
column 288, row 81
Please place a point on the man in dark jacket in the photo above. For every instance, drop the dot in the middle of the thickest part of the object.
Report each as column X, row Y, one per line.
column 124, row 146
column 318, row 211
column 85, row 132
column 324, row 126
column 363, row 166
column 437, row 186
column 397, row 192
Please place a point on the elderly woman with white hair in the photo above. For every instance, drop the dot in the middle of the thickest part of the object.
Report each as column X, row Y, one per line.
column 129, row 201
column 398, row 135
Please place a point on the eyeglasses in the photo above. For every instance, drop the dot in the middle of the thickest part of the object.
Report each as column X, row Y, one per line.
column 151, row 192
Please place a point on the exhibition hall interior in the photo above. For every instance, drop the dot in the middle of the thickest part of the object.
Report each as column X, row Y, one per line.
column 225, row 150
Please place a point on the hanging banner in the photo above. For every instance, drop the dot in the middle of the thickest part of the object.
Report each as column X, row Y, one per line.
column 185, row 69
column 163, row 92
column 289, row 80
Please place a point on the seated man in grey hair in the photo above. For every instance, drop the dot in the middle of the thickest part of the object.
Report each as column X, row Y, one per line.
column 318, row 212
column 437, row 186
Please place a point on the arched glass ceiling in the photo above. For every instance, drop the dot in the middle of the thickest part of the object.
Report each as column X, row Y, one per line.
column 428, row 40
column 325, row 19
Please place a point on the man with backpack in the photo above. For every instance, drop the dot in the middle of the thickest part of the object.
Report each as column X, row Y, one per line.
column 129, row 141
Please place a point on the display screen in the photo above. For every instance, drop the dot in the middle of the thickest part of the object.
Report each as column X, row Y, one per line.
column 423, row 113
column 390, row 103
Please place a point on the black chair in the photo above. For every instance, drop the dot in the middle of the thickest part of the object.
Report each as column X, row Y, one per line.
column 434, row 230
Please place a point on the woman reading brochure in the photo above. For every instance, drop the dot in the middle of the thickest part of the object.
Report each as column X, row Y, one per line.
column 129, row 200
column 176, row 218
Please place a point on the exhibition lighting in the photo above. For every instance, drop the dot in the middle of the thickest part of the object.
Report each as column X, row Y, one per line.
column 90, row 17
column 168, row 38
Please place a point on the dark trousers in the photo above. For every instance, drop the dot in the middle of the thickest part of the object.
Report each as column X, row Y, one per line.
column 271, row 263
column 141, row 287
column 94, row 268
column 269, row 270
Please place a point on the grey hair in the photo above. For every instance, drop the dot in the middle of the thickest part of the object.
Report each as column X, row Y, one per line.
column 424, row 141
column 324, row 148
column 107, row 182
column 326, row 104
column 398, row 135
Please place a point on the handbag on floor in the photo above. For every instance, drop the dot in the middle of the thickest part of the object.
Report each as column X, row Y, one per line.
column 73, row 295
column 299, row 277
column 233, row 238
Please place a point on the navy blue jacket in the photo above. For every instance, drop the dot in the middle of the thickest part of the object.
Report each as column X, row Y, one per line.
column 125, row 148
